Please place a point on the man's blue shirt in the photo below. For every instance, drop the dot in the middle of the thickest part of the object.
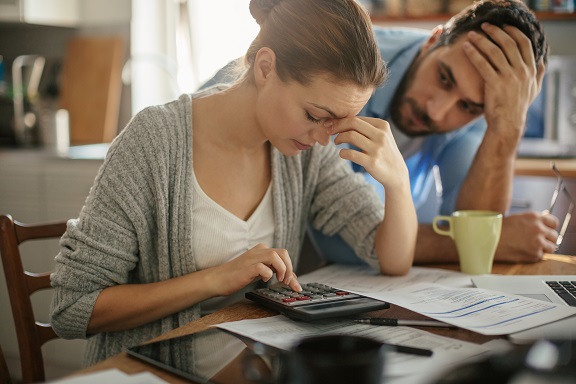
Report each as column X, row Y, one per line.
column 452, row 152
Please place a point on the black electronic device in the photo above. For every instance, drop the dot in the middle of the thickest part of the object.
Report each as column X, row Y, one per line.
column 315, row 302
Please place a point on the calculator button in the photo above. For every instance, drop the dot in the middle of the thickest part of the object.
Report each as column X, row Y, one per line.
column 311, row 292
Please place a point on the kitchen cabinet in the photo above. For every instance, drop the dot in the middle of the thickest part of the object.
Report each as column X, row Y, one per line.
column 35, row 186
column 64, row 13
column 38, row 186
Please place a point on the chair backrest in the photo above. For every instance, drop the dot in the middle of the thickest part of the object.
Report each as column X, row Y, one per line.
column 31, row 334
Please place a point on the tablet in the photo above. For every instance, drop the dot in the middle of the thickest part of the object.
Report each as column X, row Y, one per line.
column 218, row 357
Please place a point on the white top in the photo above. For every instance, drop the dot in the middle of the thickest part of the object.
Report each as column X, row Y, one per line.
column 221, row 236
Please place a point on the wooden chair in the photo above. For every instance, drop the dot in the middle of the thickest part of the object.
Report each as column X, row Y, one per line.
column 22, row 284
column 4, row 373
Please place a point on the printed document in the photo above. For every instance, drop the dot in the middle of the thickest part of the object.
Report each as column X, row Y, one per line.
column 446, row 296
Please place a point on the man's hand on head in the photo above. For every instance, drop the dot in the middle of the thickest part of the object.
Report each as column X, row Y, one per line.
column 505, row 60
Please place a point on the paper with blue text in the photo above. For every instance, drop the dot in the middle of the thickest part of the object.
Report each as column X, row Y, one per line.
column 446, row 296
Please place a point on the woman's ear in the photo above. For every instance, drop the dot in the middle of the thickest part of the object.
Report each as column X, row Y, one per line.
column 264, row 65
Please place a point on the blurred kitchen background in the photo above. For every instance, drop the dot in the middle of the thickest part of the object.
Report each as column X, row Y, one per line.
column 103, row 61
column 73, row 73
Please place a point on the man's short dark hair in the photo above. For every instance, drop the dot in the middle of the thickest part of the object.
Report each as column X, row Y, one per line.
column 500, row 13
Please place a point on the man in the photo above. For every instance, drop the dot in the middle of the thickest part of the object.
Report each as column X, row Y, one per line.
column 456, row 100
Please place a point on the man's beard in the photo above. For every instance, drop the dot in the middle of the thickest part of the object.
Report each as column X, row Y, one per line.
column 400, row 99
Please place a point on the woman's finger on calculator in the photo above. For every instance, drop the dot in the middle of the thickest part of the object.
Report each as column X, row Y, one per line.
column 259, row 262
column 292, row 282
column 289, row 277
column 271, row 261
column 278, row 260
column 280, row 263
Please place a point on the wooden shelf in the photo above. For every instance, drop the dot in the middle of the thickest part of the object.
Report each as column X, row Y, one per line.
column 542, row 167
column 542, row 16
column 555, row 16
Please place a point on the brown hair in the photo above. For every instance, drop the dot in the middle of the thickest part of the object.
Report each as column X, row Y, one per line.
column 499, row 13
column 310, row 37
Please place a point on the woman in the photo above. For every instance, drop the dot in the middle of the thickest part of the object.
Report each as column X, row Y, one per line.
column 203, row 197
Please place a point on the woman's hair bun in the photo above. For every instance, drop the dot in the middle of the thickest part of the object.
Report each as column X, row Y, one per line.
column 261, row 8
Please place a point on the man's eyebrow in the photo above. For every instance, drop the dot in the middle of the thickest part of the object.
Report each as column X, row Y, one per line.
column 450, row 75
column 327, row 110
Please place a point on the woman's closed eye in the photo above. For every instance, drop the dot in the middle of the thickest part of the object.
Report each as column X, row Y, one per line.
column 313, row 119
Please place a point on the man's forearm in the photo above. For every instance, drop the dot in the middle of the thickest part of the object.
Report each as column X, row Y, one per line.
column 434, row 248
column 488, row 184
column 510, row 86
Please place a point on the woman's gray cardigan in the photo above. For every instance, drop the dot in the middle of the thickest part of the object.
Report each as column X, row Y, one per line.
column 136, row 224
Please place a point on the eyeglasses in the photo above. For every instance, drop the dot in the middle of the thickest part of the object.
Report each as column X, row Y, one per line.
column 561, row 188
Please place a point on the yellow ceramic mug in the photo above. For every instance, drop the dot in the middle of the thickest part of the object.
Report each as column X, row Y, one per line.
column 476, row 234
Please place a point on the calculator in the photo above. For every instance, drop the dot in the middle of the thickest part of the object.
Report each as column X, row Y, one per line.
column 315, row 302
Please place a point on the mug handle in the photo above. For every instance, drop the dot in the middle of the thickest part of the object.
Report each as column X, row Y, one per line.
column 441, row 231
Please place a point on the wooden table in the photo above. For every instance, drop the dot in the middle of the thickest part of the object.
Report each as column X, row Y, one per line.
column 550, row 265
